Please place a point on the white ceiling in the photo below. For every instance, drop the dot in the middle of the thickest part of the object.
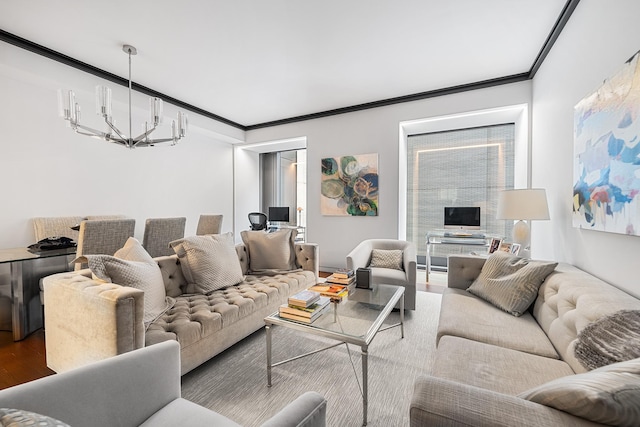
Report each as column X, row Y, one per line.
column 256, row 61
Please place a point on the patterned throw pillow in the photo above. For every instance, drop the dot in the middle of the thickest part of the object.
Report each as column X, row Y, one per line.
column 510, row 283
column 609, row 395
column 19, row 418
column 270, row 252
column 386, row 258
column 133, row 266
column 611, row 339
column 209, row 262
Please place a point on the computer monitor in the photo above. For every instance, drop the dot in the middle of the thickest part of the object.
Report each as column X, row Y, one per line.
column 279, row 214
column 462, row 218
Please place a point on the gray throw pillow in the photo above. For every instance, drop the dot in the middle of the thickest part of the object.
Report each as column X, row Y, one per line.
column 386, row 258
column 209, row 262
column 270, row 252
column 610, row 339
column 609, row 395
column 19, row 418
column 133, row 266
column 510, row 283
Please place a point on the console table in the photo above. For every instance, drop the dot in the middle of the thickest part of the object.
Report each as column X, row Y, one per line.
column 456, row 242
column 26, row 270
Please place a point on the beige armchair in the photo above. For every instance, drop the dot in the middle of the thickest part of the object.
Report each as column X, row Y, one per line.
column 360, row 257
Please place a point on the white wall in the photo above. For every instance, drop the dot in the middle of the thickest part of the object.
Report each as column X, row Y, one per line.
column 369, row 131
column 597, row 40
column 47, row 170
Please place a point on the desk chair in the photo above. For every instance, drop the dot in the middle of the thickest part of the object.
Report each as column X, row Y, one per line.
column 258, row 221
column 209, row 224
column 158, row 232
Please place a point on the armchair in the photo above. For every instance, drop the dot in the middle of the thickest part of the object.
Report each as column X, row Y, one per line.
column 138, row 388
column 360, row 257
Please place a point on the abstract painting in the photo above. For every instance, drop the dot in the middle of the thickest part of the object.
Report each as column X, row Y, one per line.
column 606, row 164
column 350, row 185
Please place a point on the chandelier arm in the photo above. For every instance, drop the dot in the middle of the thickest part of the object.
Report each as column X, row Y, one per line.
column 115, row 129
column 143, row 135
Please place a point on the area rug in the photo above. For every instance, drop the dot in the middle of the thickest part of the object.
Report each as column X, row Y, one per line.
column 234, row 383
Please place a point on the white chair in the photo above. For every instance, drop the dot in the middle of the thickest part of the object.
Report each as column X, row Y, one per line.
column 158, row 232
column 209, row 224
column 103, row 237
column 360, row 257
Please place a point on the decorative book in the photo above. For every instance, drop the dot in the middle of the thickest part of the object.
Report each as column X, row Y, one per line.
column 304, row 298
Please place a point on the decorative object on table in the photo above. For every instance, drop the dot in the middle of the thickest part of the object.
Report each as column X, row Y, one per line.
column 333, row 279
column 305, row 313
column 505, row 247
column 350, row 185
column 333, row 291
column 494, row 245
column 606, row 189
column 52, row 243
column 69, row 110
column 523, row 204
column 343, row 273
column 363, row 278
column 515, row 248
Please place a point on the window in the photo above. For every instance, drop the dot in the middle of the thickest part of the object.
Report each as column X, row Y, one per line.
column 465, row 167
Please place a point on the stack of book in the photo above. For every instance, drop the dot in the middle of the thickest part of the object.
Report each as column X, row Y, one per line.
column 343, row 276
column 305, row 306
column 335, row 292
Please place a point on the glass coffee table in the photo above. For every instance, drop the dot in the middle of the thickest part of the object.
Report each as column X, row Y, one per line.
column 355, row 320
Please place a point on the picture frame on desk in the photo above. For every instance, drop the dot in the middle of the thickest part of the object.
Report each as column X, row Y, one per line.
column 505, row 247
column 494, row 245
column 515, row 248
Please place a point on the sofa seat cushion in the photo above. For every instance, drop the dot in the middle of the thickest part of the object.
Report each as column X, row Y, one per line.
column 181, row 412
column 494, row 368
column 195, row 316
column 467, row 316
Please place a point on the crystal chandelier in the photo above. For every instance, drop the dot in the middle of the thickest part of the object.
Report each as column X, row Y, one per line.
column 70, row 111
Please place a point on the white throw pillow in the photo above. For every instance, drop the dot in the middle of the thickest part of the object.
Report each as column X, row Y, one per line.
column 510, row 283
column 608, row 395
column 133, row 266
column 209, row 262
column 271, row 252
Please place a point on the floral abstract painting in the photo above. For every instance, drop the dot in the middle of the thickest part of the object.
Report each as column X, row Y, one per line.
column 350, row 185
column 606, row 164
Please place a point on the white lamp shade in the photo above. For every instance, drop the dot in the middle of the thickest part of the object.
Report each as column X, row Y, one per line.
column 527, row 204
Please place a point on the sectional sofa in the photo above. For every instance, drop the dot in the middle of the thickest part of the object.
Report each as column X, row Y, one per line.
column 536, row 369
column 87, row 319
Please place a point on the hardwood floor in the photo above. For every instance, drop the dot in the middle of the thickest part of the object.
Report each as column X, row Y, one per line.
column 24, row 361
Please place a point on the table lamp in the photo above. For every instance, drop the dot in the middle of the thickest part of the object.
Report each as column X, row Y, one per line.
column 523, row 204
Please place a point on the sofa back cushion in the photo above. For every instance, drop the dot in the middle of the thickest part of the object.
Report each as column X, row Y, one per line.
column 569, row 300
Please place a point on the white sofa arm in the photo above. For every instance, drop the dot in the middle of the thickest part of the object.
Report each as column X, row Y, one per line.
column 87, row 320
column 119, row 391
column 308, row 410
column 441, row 402
column 462, row 270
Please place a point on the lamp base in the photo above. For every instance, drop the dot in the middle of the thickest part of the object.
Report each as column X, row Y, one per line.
column 522, row 236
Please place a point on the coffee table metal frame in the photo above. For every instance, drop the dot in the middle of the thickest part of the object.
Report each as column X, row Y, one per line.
column 362, row 341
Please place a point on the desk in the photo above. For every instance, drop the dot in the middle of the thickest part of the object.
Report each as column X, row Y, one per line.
column 442, row 243
column 27, row 268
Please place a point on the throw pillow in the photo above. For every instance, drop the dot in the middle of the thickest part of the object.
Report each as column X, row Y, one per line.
column 510, row 283
column 133, row 266
column 19, row 418
column 386, row 258
column 209, row 262
column 608, row 395
column 270, row 252
column 611, row 339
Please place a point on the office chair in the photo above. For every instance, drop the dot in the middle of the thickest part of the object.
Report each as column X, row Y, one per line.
column 258, row 220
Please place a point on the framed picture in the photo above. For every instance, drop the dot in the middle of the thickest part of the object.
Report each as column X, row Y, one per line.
column 349, row 185
column 515, row 248
column 494, row 245
column 505, row 247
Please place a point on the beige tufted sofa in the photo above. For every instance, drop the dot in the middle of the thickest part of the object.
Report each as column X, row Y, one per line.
column 485, row 357
column 86, row 320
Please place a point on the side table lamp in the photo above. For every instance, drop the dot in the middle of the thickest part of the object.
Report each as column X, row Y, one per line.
column 523, row 204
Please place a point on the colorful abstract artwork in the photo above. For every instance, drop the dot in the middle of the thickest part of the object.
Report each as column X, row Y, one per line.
column 350, row 185
column 606, row 164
